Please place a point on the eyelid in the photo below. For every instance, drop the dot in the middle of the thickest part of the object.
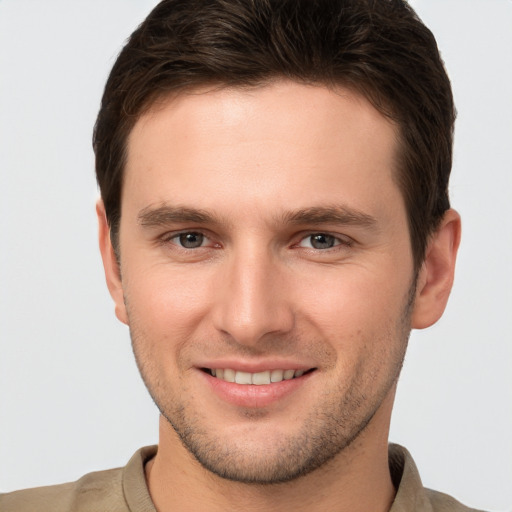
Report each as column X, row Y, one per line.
column 342, row 240
column 170, row 236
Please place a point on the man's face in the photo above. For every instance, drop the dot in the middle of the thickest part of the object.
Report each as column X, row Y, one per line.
column 262, row 237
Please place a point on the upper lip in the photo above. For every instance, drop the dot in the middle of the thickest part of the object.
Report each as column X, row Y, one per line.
column 255, row 367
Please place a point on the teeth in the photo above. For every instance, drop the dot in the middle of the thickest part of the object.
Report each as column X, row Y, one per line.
column 276, row 375
column 258, row 379
column 243, row 378
column 229, row 375
column 261, row 378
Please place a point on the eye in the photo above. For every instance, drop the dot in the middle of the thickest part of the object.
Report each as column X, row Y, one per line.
column 320, row 241
column 190, row 240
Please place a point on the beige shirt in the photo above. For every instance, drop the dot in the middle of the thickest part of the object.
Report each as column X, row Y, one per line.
column 125, row 490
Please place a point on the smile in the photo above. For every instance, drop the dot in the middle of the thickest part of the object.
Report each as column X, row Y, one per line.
column 257, row 379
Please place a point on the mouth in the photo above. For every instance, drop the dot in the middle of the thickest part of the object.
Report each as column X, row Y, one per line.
column 256, row 379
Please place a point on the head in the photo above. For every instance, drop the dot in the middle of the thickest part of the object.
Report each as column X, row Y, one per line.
column 273, row 176
column 380, row 49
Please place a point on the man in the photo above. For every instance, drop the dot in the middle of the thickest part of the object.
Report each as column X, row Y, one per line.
column 274, row 220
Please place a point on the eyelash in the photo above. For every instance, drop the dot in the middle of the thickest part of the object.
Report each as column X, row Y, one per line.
column 168, row 238
column 339, row 241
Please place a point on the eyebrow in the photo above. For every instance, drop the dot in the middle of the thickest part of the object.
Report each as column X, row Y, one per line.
column 342, row 215
column 165, row 214
column 330, row 215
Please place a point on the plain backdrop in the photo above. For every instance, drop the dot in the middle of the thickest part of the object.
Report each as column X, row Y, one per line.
column 71, row 400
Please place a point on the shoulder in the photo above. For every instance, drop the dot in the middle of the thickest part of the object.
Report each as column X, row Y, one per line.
column 443, row 503
column 411, row 495
column 113, row 490
column 101, row 490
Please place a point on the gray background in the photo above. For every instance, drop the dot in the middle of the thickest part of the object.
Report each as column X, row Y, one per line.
column 71, row 400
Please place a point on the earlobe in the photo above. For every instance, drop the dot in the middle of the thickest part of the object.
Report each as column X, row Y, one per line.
column 110, row 263
column 435, row 278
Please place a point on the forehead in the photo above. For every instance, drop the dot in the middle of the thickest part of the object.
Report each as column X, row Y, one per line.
column 276, row 144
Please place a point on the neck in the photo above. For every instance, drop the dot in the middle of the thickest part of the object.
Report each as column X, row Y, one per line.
column 356, row 480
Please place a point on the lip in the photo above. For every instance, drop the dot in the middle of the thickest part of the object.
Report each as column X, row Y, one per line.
column 254, row 367
column 250, row 395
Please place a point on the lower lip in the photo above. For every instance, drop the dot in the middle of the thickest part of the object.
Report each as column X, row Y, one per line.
column 254, row 396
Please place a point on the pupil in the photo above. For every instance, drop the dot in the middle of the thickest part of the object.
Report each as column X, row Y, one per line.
column 322, row 241
column 191, row 240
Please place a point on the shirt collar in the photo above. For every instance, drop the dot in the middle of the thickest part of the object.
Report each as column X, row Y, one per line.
column 410, row 493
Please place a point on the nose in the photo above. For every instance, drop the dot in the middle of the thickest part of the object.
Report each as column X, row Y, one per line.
column 252, row 300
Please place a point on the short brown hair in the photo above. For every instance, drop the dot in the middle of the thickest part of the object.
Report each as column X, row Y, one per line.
column 379, row 48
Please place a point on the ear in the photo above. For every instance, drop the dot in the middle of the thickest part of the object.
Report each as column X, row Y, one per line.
column 435, row 278
column 110, row 264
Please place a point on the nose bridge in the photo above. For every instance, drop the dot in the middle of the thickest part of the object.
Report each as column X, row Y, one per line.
column 253, row 300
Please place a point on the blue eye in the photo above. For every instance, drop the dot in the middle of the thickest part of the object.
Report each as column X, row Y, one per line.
column 320, row 241
column 190, row 240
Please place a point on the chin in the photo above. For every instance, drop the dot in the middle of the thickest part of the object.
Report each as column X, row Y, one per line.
column 258, row 453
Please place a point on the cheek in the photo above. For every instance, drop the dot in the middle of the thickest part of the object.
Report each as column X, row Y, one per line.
column 354, row 308
column 164, row 311
column 166, row 302
column 358, row 291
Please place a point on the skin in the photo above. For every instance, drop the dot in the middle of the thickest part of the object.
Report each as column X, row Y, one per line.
column 255, row 174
